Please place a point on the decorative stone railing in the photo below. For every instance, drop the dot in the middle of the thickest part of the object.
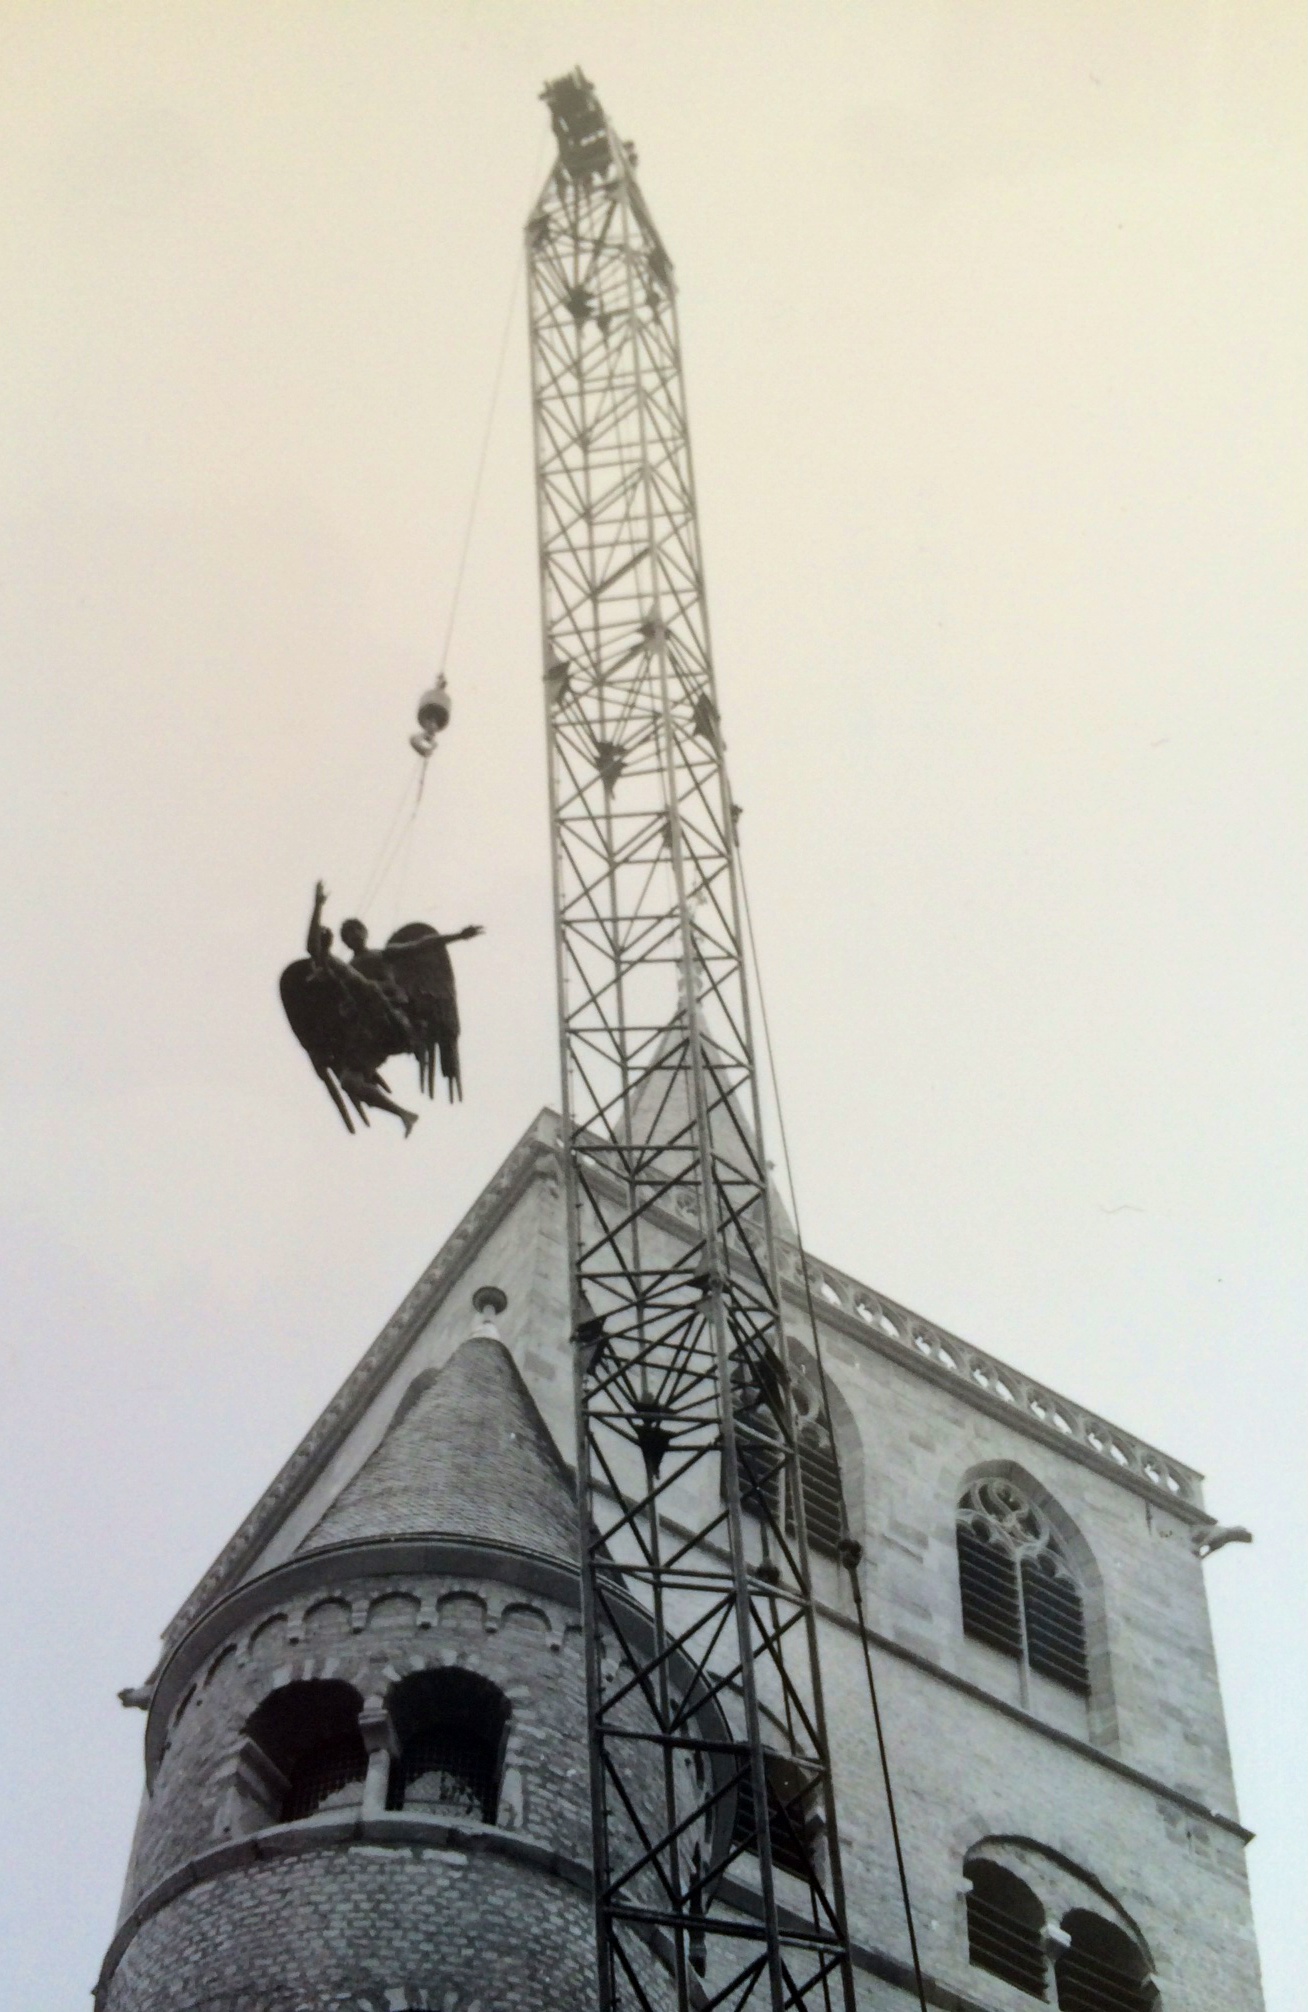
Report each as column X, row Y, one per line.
column 1031, row 1403
column 923, row 1340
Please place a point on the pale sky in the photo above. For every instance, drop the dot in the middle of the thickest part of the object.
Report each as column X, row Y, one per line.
column 994, row 331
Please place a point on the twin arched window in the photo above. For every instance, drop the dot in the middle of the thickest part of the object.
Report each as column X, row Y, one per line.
column 1096, row 1966
column 1019, row 1593
column 450, row 1727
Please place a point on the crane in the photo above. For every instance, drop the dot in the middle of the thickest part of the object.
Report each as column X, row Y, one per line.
column 716, row 1848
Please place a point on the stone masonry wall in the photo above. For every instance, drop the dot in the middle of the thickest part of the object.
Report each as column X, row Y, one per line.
column 305, row 1912
column 1158, row 1704
column 371, row 1633
column 964, row 1773
column 365, row 1927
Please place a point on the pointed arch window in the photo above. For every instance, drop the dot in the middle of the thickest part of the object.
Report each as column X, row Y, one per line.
column 757, row 1403
column 1019, row 1593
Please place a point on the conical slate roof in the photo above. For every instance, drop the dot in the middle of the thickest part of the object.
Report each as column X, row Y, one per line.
column 467, row 1454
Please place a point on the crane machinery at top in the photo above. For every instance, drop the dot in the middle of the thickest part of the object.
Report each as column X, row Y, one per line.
column 715, row 1836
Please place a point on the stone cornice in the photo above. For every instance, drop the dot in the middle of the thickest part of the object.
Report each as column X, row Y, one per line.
column 534, row 1153
column 982, row 1380
column 435, row 1554
column 1085, row 1748
column 1087, row 1751
column 333, row 1568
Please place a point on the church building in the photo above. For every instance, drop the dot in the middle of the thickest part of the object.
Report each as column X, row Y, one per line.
column 366, row 1759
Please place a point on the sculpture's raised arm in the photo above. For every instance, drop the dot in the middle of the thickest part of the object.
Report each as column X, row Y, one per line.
column 318, row 940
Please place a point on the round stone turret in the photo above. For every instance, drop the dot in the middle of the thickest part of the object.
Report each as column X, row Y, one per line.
column 367, row 1779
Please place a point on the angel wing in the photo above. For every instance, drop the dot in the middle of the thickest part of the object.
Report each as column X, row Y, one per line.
column 426, row 978
column 342, row 1022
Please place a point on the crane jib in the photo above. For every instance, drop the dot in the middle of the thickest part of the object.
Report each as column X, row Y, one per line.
column 717, row 1854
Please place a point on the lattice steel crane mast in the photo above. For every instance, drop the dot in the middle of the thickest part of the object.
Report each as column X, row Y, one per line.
column 708, row 1709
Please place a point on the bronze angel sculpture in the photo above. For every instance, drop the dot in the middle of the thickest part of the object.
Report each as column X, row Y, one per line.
column 351, row 1017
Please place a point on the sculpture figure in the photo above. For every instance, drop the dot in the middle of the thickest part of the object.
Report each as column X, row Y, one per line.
column 351, row 1018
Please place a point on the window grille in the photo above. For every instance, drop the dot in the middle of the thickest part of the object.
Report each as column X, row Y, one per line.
column 309, row 1732
column 1102, row 1969
column 1019, row 1594
column 1055, row 1625
column 445, row 1768
column 451, row 1726
column 790, row 1823
column 1005, row 1928
column 762, row 1471
column 322, row 1773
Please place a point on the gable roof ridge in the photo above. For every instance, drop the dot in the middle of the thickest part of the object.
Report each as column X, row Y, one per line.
column 539, row 1143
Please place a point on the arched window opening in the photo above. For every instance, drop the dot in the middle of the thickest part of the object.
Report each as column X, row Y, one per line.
column 1005, row 1927
column 793, row 1822
column 451, row 1726
column 819, row 1472
column 1019, row 1593
column 309, row 1732
column 1101, row 1969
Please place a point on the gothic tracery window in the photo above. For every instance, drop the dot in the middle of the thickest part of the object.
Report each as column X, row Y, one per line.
column 1019, row 1593
column 756, row 1402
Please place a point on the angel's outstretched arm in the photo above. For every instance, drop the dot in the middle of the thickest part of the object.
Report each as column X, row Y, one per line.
column 424, row 942
column 313, row 942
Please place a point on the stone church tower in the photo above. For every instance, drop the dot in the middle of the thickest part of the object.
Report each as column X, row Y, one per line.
column 366, row 1761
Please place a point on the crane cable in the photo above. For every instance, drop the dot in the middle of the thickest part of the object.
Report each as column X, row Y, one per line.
column 481, row 463
column 399, row 838
column 850, row 1553
column 395, row 833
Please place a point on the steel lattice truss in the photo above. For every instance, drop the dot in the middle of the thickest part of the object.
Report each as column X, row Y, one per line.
column 704, row 1691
